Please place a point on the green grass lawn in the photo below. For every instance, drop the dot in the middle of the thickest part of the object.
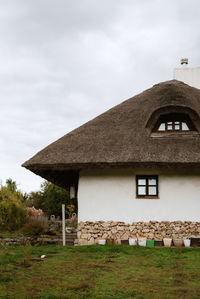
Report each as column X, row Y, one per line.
column 99, row 272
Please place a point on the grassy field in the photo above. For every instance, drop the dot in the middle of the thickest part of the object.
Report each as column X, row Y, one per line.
column 99, row 272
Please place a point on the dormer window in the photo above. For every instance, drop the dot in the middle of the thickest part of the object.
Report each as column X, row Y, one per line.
column 173, row 126
column 174, row 123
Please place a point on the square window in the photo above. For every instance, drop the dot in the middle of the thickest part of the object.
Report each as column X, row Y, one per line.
column 147, row 186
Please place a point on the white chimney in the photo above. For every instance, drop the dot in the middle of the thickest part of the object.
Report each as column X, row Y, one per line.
column 190, row 76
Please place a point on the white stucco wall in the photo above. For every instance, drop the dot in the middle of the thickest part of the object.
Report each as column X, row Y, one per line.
column 111, row 195
column 190, row 76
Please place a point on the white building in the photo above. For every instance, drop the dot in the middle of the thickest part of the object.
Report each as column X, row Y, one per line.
column 137, row 162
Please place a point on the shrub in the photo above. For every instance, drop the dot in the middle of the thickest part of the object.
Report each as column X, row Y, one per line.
column 33, row 212
column 12, row 213
column 32, row 229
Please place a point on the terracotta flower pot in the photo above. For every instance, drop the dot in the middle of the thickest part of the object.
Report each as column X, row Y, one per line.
column 109, row 241
column 178, row 242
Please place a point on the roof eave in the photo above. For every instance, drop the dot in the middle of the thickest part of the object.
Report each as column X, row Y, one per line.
column 79, row 166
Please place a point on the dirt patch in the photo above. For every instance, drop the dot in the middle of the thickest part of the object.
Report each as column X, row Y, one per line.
column 25, row 264
column 181, row 293
column 36, row 260
column 178, row 281
column 81, row 286
column 94, row 266
column 109, row 261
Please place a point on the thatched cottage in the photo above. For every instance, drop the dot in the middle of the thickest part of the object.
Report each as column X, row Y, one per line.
column 135, row 168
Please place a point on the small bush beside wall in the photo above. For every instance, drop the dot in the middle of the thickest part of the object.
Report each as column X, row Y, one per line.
column 32, row 229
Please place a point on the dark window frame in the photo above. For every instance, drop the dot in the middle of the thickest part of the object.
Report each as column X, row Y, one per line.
column 146, row 178
column 173, row 118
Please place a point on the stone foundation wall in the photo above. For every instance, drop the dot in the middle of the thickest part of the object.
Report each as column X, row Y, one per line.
column 90, row 232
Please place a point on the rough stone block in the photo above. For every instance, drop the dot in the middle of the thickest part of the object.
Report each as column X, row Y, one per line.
column 82, row 242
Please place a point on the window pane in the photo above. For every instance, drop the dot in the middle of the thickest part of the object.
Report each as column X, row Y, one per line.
column 177, row 122
column 142, row 182
column 152, row 181
column 161, row 127
column 169, row 127
column 184, row 127
column 152, row 190
column 177, row 127
column 141, row 190
column 169, row 122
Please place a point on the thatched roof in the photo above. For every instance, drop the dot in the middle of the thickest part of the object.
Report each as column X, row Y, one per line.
column 122, row 136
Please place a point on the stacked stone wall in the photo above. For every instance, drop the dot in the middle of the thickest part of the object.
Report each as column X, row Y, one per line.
column 91, row 232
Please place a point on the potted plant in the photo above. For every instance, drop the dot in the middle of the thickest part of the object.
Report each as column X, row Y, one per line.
column 142, row 240
column 110, row 240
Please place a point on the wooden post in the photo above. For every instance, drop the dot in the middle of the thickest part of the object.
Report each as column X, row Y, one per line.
column 63, row 224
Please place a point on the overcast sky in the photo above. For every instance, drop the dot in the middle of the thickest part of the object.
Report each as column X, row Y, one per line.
column 63, row 62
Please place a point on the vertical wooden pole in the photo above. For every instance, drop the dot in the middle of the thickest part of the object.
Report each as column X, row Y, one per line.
column 63, row 224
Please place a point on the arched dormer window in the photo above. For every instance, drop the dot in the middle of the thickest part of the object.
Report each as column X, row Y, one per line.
column 174, row 122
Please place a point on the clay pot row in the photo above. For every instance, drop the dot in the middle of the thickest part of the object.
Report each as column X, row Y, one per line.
column 143, row 241
column 177, row 242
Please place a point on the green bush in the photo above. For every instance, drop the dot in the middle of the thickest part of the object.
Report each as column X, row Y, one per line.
column 33, row 229
column 12, row 212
